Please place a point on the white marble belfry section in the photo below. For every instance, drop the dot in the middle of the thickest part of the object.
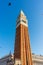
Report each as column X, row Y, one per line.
column 22, row 20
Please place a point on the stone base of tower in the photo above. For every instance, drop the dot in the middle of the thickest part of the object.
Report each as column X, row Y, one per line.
column 17, row 62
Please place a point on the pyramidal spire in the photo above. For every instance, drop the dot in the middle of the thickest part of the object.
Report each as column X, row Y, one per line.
column 21, row 12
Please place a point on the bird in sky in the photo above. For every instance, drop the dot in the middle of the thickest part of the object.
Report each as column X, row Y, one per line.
column 9, row 4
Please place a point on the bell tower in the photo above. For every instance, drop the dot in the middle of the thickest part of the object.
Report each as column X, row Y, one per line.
column 22, row 51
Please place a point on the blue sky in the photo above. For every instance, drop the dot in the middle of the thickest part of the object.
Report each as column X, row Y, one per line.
column 33, row 9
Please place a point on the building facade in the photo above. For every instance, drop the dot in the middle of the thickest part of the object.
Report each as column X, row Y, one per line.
column 9, row 60
column 37, row 59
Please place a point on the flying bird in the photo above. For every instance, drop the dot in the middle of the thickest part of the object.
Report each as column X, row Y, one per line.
column 9, row 4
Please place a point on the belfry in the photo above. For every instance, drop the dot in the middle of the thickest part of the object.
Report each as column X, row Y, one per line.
column 22, row 51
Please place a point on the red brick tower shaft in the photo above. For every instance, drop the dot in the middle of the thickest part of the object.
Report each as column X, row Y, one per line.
column 22, row 52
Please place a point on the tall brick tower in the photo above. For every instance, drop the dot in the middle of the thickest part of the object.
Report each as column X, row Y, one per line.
column 22, row 52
